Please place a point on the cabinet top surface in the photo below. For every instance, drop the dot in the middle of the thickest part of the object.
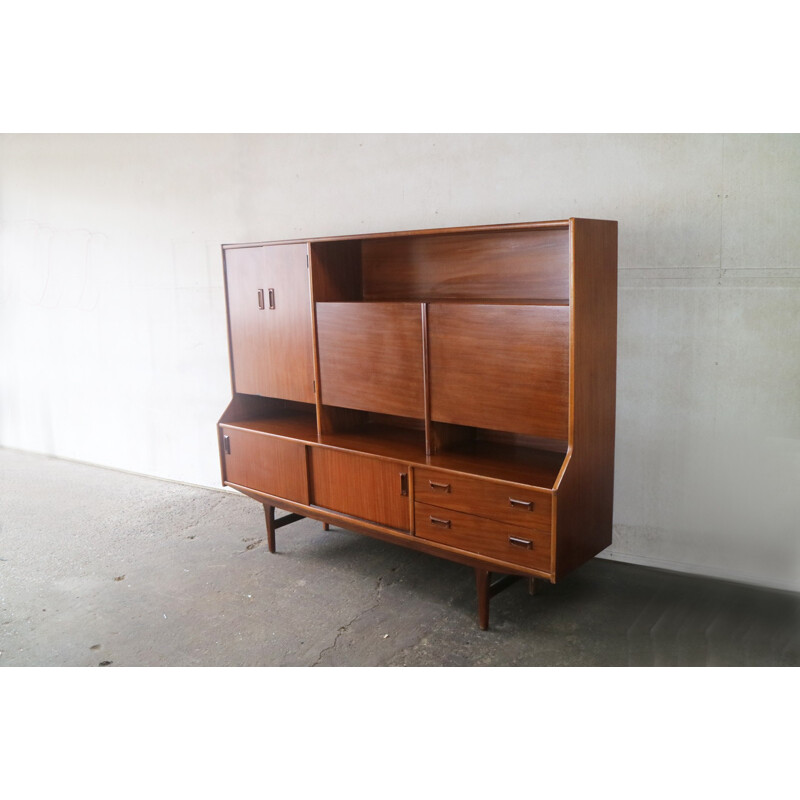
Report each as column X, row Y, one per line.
column 513, row 226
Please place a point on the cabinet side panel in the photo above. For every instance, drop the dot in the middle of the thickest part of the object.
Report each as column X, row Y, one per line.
column 585, row 496
column 360, row 486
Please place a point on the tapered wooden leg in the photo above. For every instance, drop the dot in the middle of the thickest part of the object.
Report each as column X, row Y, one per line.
column 269, row 513
column 482, row 580
column 326, row 526
column 533, row 586
column 273, row 524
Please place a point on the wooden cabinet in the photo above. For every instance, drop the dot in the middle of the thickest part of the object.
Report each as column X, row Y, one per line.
column 448, row 390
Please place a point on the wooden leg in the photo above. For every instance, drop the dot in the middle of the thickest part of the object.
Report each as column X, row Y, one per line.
column 487, row 590
column 326, row 526
column 533, row 586
column 273, row 524
column 269, row 513
column 482, row 580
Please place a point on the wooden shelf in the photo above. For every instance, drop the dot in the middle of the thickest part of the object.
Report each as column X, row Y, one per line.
column 489, row 301
column 555, row 224
column 503, row 462
column 301, row 426
column 502, row 301
column 467, row 264
column 386, row 441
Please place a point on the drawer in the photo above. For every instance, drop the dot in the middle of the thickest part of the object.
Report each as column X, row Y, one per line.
column 505, row 502
column 265, row 463
column 527, row 548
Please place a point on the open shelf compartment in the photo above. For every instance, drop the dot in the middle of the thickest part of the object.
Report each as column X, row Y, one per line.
column 285, row 418
column 530, row 265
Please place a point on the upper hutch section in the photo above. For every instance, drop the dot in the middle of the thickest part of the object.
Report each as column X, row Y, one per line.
column 524, row 263
column 428, row 345
column 520, row 265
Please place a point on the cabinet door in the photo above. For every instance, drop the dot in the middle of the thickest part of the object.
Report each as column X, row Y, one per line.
column 501, row 367
column 361, row 486
column 265, row 463
column 269, row 312
column 370, row 357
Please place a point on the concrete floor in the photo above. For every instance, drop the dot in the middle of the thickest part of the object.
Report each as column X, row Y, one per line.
column 104, row 568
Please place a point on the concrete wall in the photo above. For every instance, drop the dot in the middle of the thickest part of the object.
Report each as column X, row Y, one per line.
column 112, row 323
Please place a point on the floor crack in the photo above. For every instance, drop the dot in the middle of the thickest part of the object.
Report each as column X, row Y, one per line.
column 344, row 628
column 201, row 517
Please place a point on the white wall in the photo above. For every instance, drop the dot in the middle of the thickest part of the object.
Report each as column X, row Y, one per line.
column 112, row 320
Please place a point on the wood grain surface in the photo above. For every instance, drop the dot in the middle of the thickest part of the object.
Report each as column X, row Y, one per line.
column 585, row 499
column 361, row 486
column 515, row 505
column 370, row 357
column 483, row 536
column 271, row 349
column 266, row 464
column 500, row 367
column 512, row 265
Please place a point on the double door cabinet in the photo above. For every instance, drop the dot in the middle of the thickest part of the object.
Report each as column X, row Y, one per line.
column 451, row 391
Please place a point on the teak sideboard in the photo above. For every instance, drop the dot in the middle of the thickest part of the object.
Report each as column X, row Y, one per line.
column 451, row 390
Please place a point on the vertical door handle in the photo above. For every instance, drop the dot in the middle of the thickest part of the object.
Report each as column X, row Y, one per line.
column 261, row 299
column 226, row 444
column 271, row 298
column 404, row 484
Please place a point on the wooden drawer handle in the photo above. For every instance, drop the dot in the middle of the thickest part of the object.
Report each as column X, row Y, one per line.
column 526, row 543
column 526, row 504
column 445, row 487
column 444, row 523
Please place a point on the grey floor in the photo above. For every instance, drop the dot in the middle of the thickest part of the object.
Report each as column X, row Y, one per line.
column 104, row 568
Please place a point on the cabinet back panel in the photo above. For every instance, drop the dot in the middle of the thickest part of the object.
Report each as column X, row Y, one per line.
column 500, row 367
column 519, row 265
column 370, row 357
column 271, row 348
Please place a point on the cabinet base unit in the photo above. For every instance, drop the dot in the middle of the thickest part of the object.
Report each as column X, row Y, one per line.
column 451, row 391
